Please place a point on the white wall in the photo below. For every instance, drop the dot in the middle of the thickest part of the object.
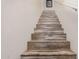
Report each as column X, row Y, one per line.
column 69, row 19
column 71, row 3
column 19, row 17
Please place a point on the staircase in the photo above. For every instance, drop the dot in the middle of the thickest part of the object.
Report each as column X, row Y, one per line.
column 48, row 40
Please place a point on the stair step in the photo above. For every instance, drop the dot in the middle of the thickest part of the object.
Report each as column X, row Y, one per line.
column 49, row 29
column 50, row 19
column 49, row 12
column 49, row 55
column 38, row 31
column 54, row 53
column 51, row 24
column 48, row 33
column 36, row 45
column 50, row 37
column 48, row 25
column 48, row 16
column 43, row 38
column 58, row 41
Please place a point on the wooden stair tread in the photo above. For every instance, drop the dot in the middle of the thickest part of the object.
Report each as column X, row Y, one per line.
column 50, row 53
